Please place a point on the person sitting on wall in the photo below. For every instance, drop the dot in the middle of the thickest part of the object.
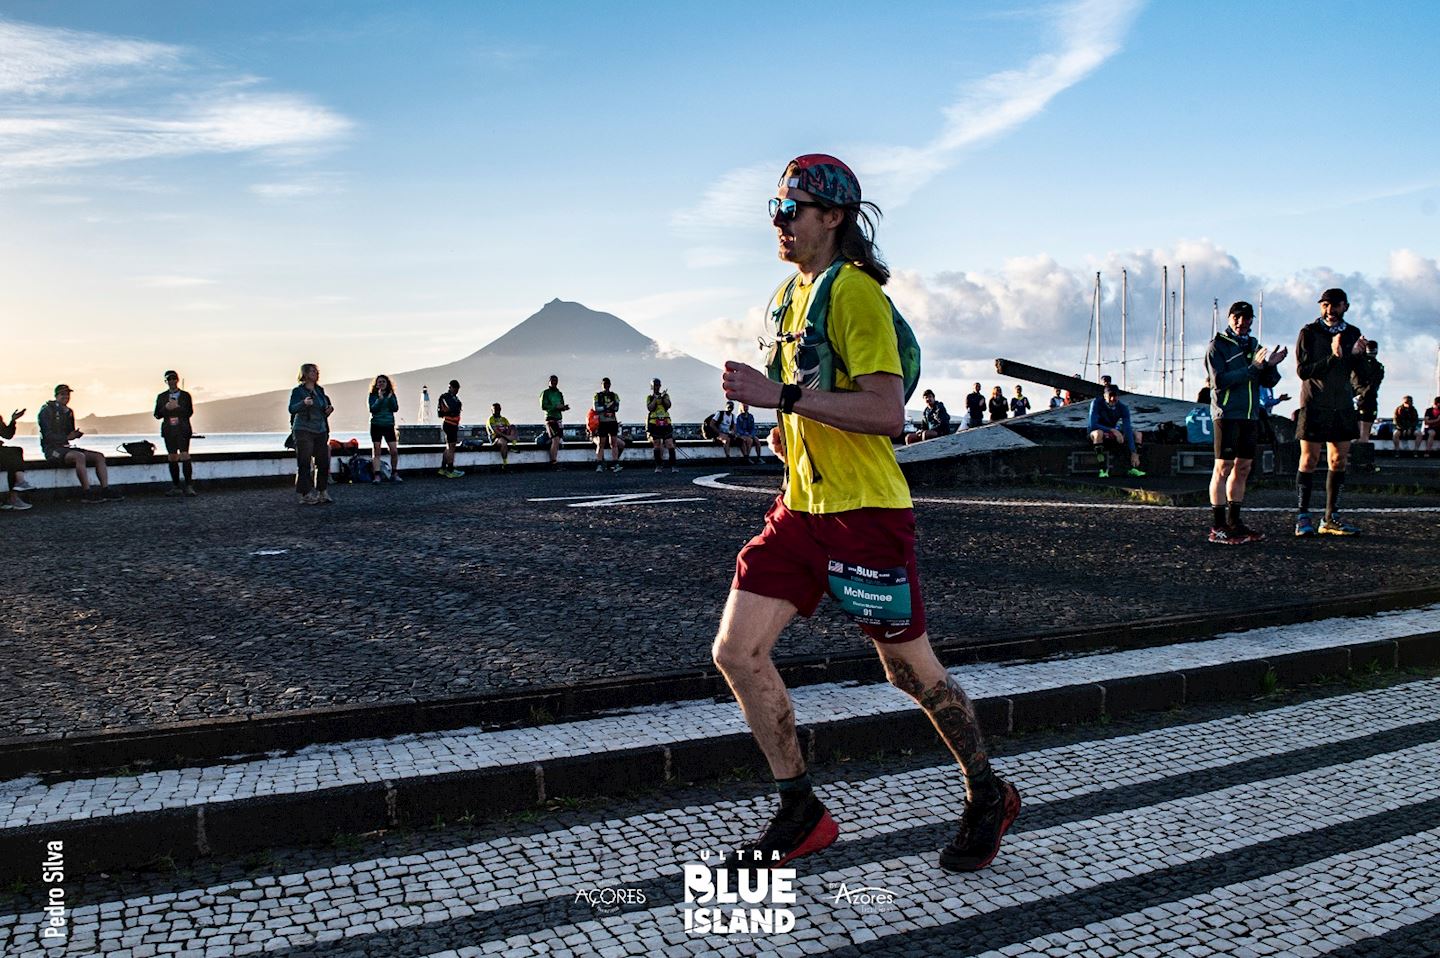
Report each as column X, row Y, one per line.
column 57, row 431
column 934, row 422
column 12, row 460
column 1110, row 427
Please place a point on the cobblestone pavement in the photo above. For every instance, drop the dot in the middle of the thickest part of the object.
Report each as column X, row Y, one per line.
column 240, row 602
column 1298, row 824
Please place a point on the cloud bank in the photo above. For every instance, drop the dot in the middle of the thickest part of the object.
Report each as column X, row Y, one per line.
column 1037, row 310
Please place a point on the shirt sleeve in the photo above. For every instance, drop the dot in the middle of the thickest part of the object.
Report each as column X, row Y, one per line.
column 860, row 325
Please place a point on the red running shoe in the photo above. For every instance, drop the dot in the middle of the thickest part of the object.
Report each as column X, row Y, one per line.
column 803, row 830
column 981, row 828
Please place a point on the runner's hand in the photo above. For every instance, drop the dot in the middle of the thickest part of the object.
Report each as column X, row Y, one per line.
column 777, row 442
column 1336, row 349
column 1359, row 348
column 746, row 384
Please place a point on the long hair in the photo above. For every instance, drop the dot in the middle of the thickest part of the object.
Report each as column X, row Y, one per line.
column 857, row 240
column 375, row 386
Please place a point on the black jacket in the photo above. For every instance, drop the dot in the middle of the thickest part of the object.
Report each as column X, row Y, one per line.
column 1329, row 381
column 186, row 410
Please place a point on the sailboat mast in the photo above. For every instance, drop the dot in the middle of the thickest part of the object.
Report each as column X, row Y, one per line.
column 1182, row 331
column 1098, row 340
column 1124, row 306
column 1164, row 330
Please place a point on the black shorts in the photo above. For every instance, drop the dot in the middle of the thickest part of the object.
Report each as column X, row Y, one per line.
column 379, row 432
column 660, row 433
column 1326, row 425
column 58, row 455
column 176, row 440
column 603, row 429
column 1367, row 413
column 554, row 428
column 1235, row 438
column 1405, row 432
column 452, row 432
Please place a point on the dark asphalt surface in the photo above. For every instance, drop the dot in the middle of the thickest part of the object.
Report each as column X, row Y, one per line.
column 158, row 610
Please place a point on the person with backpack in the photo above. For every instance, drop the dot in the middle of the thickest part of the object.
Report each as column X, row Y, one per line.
column 841, row 367
column 174, row 407
column 384, row 404
column 57, row 431
column 658, row 425
column 723, row 421
column 606, row 409
column 310, row 411
column 553, row 408
column 448, row 408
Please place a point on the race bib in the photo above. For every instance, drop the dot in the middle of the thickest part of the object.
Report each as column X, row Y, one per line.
column 871, row 596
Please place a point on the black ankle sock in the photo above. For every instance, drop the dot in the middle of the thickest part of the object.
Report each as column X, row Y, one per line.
column 1334, row 482
column 657, row 457
column 1232, row 514
column 185, row 467
column 175, row 473
column 794, row 791
column 1100, row 456
column 1217, row 520
column 672, row 457
column 1304, row 482
column 982, row 781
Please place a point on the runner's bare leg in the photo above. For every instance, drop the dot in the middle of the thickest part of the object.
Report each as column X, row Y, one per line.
column 749, row 628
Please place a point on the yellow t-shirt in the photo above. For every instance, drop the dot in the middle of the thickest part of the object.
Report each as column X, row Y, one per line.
column 832, row 470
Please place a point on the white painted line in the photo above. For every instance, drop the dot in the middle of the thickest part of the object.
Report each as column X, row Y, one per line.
column 617, row 499
column 714, row 482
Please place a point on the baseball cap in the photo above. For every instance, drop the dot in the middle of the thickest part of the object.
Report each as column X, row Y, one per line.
column 1333, row 295
column 824, row 176
column 171, row 374
column 62, row 388
column 1241, row 308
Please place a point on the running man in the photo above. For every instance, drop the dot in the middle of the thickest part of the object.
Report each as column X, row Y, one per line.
column 449, row 408
column 552, row 406
column 173, row 408
column 1237, row 366
column 607, row 431
column 502, row 434
column 1330, row 359
column 844, row 524
column 658, row 425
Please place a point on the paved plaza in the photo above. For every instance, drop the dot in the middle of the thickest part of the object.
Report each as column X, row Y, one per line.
column 158, row 610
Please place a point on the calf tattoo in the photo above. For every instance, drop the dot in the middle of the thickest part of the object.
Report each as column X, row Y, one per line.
column 953, row 716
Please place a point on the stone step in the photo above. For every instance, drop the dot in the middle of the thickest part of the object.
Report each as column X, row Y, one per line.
column 316, row 792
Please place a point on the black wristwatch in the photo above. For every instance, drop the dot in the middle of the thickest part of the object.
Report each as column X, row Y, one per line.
column 789, row 395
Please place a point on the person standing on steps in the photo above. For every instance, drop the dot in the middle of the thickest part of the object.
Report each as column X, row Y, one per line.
column 844, row 524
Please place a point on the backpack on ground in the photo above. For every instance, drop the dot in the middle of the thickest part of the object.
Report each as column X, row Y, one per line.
column 140, row 449
column 816, row 360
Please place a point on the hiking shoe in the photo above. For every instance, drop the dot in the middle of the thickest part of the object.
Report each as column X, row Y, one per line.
column 310, row 499
column 1335, row 526
column 111, row 495
column 323, row 499
column 22, row 486
column 1304, row 525
column 190, row 491
column 659, row 469
column 600, row 467
column 1136, row 472
column 375, row 479
column 1246, row 534
column 617, row 468
column 91, row 496
column 19, row 505
column 443, row 473
column 457, row 473
column 981, row 828
column 1104, row 473
column 395, row 477
column 802, row 830
column 174, row 491
column 1223, row 536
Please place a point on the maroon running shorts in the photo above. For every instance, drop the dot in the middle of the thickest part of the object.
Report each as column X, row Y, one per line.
column 798, row 556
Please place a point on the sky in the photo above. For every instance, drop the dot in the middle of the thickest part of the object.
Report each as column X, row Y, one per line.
column 232, row 189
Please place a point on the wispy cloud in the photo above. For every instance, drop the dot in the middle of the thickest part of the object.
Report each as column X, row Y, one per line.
column 172, row 282
column 1087, row 33
column 86, row 99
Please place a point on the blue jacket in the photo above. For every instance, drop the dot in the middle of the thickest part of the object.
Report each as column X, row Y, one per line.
column 1235, row 377
column 1102, row 416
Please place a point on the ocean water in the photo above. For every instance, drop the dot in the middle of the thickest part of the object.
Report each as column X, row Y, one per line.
column 211, row 442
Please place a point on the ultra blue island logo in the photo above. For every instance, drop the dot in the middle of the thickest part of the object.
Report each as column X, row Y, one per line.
column 740, row 901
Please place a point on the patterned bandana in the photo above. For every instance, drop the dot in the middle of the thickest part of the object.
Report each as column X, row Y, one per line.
column 824, row 176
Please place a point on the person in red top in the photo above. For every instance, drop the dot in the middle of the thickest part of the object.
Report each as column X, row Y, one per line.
column 1431, row 429
column 449, row 409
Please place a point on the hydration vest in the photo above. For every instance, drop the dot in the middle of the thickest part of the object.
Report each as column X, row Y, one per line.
column 815, row 358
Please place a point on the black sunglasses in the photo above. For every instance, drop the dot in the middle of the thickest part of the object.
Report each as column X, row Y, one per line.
column 788, row 208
